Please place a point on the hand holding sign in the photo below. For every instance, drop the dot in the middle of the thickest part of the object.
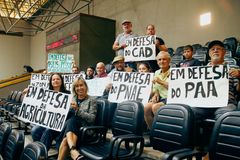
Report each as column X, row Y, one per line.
column 74, row 105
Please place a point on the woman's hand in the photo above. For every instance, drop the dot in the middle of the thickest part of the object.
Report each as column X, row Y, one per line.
column 74, row 105
column 155, row 98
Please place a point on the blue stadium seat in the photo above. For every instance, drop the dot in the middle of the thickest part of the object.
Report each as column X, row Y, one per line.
column 126, row 128
column 34, row 151
column 224, row 143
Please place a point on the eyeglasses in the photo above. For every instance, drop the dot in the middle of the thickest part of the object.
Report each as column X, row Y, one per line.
column 216, row 48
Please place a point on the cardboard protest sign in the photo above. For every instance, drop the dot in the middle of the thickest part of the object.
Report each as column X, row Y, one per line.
column 45, row 108
column 40, row 80
column 97, row 86
column 130, row 86
column 203, row 86
column 69, row 78
column 140, row 48
column 61, row 63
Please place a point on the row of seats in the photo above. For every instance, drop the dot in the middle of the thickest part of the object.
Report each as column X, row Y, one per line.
column 200, row 52
column 172, row 131
column 10, row 106
column 12, row 145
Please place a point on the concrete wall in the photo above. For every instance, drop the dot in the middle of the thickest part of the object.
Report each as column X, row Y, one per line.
column 176, row 21
column 15, row 53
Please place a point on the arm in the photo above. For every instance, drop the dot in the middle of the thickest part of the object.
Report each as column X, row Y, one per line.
column 163, row 83
column 88, row 110
column 116, row 46
column 161, row 45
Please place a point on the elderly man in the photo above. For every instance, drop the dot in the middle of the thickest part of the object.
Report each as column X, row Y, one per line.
column 217, row 53
column 75, row 69
column 101, row 70
column 120, row 42
column 160, row 87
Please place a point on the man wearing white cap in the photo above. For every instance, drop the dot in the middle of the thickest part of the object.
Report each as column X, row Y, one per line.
column 120, row 42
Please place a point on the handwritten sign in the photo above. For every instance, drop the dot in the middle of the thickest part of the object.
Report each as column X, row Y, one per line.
column 61, row 63
column 203, row 86
column 45, row 108
column 130, row 86
column 42, row 80
column 140, row 48
column 69, row 78
column 97, row 86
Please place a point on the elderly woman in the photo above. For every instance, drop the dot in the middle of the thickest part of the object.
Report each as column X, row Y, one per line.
column 160, row 87
column 85, row 113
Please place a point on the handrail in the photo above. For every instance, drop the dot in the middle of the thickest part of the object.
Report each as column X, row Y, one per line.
column 17, row 79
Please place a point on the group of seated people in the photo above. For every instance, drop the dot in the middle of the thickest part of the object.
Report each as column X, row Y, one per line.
column 83, row 107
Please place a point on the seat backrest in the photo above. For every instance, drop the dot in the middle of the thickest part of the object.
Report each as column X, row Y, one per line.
column 34, row 151
column 13, row 98
column 230, row 61
column 232, row 43
column 225, row 139
column 196, row 46
column 128, row 118
column 102, row 112
column 5, row 130
column 171, row 51
column 237, row 54
column 176, row 58
column 18, row 97
column 10, row 95
column 14, row 145
column 172, row 128
column 179, row 50
column 201, row 57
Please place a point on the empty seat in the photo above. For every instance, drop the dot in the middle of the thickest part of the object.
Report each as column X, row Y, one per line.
column 179, row 50
column 126, row 129
column 34, row 151
column 196, row 46
column 201, row 56
column 14, row 145
column 232, row 42
column 171, row 51
column 176, row 59
column 5, row 130
column 173, row 129
column 230, row 61
column 225, row 141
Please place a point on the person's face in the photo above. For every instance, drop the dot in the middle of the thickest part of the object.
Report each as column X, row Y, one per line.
column 81, row 89
column 119, row 65
column 56, row 81
column 100, row 69
column 150, row 30
column 163, row 61
column 90, row 72
column 187, row 53
column 142, row 68
column 127, row 27
column 75, row 70
column 217, row 54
